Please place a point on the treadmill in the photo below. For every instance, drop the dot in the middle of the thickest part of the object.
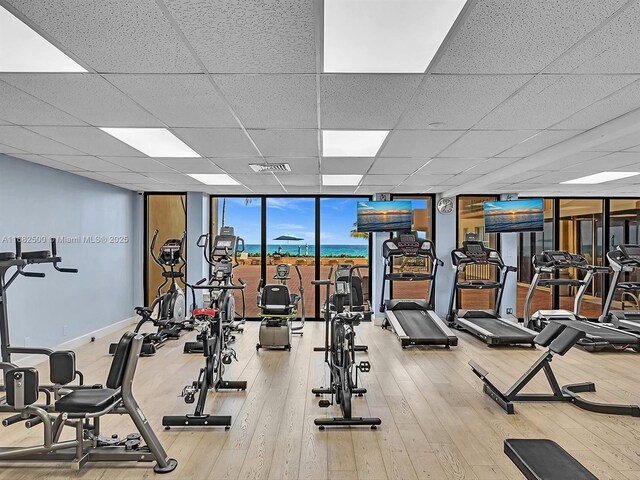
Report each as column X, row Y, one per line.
column 484, row 324
column 598, row 336
column 413, row 321
column 625, row 259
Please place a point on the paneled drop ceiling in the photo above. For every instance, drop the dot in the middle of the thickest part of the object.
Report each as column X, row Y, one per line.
column 242, row 83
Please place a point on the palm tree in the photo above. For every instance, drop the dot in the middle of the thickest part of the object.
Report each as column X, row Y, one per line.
column 356, row 234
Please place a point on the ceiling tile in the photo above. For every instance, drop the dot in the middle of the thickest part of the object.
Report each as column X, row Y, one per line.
column 190, row 165
column 538, row 142
column 385, row 181
column 338, row 190
column 23, row 109
column 286, row 143
column 519, row 37
column 89, row 140
column 85, row 96
column 365, row 101
column 8, row 149
column 47, row 162
column 612, row 161
column 579, row 157
column 142, row 164
column 172, row 178
column 177, row 100
column 449, row 166
column 129, row 186
column 418, row 143
column 611, row 49
column 459, row 101
column 271, row 101
column 397, row 165
column 337, row 165
column 95, row 176
column 300, row 180
column 425, row 180
column 304, row 190
column 491, row 165
column 404, row 188
column 87, row 162
column 258, row 180
column 217, row 142
column 249, row 37
column 486, row 143
column 623, row 101
column 114, row 36
column 630, row 141
column 129, row 177
column 460, row 179
column 549, row 99
column 237, row 165
column 30, row 142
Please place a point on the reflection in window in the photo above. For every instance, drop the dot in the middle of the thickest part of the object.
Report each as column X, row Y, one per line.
column 623, row 229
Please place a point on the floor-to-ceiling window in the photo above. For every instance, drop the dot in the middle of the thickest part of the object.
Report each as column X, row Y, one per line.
column 581, row 231
column 244, row 215
column 166, row 213
column 422, row 222
column 471, row 221
column 624, row 228
column 530, row 244
column 291, row 239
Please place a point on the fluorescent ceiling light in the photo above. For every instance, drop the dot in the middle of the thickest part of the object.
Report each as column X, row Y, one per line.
column 341, row 180
column 377, row 36
column 214, row 178
column 24, row 50
column 352, row 143
column 601, row 177
column 154, row 142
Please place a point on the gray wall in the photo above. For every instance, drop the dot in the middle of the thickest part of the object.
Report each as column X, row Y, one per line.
column 40, row 201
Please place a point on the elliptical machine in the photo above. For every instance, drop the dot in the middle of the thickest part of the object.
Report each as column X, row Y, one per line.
column 212, row 343
column 170, row 305
column 278, row 308
column 340, row 354
column 223, row 257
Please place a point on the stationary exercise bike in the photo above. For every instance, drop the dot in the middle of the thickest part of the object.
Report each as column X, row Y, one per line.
column 169, row 306
column 213, row 344
column 340, row 355
column 279, row 308
column 222, row 256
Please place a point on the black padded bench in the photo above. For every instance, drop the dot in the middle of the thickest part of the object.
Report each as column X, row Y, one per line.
column 545, row 460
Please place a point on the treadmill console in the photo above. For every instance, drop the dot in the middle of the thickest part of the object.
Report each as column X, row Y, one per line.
column 558, row 259
column 408, row 245
column 630, row 252
column 474, row 251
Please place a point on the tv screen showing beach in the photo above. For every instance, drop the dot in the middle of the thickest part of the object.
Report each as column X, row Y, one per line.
column 384, row 216
column 514, row 216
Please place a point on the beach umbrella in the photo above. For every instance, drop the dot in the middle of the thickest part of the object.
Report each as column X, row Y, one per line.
column 288, row 238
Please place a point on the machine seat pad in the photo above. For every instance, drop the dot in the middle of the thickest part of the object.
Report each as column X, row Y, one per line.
column 208, row 312
column 549, row 333
column 88, row 401
column 36, row 255
column 5, row 256
column 545, row 460
column 629, row 286
column 567, row 339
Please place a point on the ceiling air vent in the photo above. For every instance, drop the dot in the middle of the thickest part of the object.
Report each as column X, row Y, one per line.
column 270, row 167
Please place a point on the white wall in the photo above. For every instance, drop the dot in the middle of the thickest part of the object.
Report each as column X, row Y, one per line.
column 43, row 202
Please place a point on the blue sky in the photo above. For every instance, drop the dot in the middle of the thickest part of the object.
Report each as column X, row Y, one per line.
column 294, row 216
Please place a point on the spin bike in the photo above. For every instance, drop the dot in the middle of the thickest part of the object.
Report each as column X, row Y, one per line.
column 222, row 256
column 169, row 306
column 217, row 353
column 340, row 355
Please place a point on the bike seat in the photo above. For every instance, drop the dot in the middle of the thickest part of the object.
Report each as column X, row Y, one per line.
column 205, row 312
column 143, row 310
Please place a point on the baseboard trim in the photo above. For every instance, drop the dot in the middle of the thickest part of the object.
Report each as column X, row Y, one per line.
column 29, row 360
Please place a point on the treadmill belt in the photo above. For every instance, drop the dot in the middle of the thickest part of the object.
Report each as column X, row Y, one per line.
column 500, row 329
column 615, row 337
column 418, row 325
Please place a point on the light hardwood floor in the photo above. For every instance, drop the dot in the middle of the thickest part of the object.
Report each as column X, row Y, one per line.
column 437, row 424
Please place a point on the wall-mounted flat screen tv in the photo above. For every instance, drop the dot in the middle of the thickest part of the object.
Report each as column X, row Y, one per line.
column 514, row 216
column 384, row 216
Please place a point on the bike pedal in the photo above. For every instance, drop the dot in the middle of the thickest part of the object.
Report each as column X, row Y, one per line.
column 324, row 403
column 364, row 366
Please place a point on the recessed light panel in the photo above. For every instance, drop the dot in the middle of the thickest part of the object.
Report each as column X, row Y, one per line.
column 601, row 177
column 377, row 36
column 352, row 143
column 214, row 178
column 341, row 180
column 154, row 142
column 24, row 50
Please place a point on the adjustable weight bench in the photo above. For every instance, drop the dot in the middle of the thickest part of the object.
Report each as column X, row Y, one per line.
column 545, row 460
column 559, row 338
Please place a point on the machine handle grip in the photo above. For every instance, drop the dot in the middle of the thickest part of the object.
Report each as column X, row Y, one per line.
column 18, row 248
column 242, row 283
column 153, row 242
column 201, row 281
column 65, row 270
column 511, row 268
column 33, row 274
column 321, row 282
column 260, row 283
column 439, row 262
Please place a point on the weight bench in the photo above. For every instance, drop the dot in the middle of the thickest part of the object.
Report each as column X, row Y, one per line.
column 545, row 460
column 559, row 338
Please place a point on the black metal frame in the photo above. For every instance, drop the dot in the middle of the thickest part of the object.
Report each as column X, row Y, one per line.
column 263, row 236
